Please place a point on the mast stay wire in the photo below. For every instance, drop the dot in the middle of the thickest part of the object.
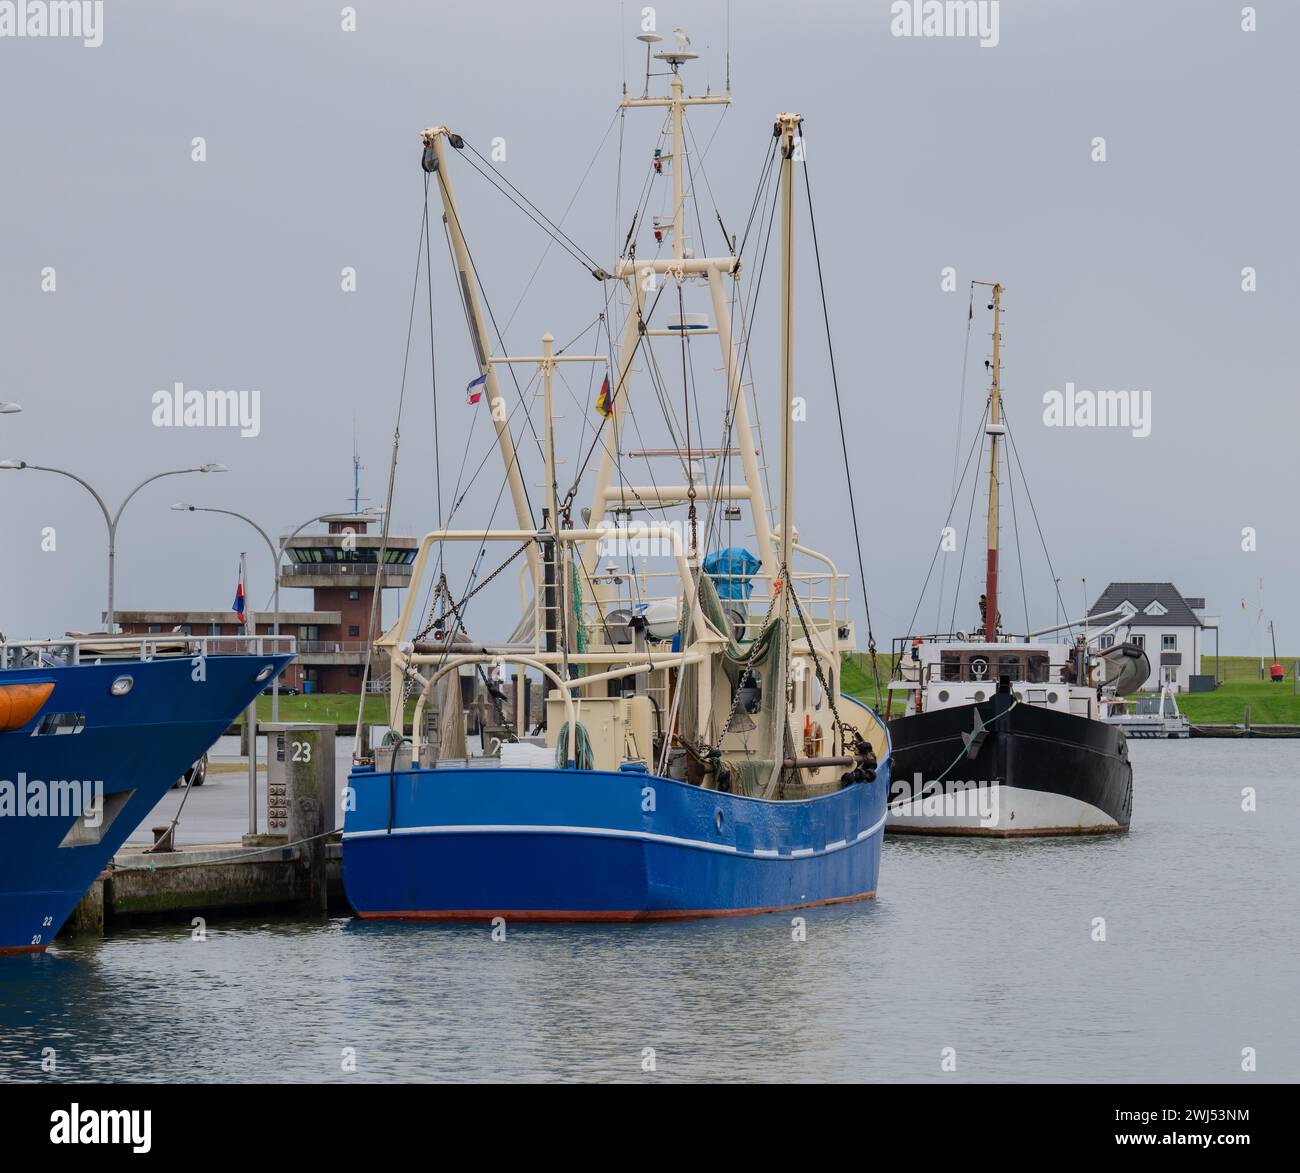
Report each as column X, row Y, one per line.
column 1020, row 558
column 961, row 566
column 532, row 211
column 728, row 424
column 1034, row 511
column 504, row 353
column 956, row 440
column 568, row 208
column 839, row 411
column 645, row 319
column 911, row 624
column 392, row 470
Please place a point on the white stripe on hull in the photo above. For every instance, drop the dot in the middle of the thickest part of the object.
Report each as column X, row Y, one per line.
column 1009, row 810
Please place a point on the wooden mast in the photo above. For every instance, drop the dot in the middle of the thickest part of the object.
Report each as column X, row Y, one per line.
column 995, row 429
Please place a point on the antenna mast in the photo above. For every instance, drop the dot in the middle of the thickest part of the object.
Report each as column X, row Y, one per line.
column 356, row 470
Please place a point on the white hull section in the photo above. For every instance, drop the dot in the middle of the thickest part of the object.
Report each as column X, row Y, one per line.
column 997, row 811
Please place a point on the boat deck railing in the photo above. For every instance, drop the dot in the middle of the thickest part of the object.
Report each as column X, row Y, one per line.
column 912, row 672
column 89, row 649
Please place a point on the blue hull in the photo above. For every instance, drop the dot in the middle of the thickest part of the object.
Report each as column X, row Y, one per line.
column 136, row 745
column 479, row 842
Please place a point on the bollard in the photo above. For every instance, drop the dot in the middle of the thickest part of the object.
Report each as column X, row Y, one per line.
column 300, row 797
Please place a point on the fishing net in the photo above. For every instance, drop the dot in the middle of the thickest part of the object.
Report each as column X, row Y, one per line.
column 768, row 737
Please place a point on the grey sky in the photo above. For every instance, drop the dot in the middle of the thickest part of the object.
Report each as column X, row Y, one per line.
column 924, row 153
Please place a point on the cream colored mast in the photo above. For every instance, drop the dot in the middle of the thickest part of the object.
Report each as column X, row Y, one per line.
column 789, row 126
column 433, row 139
column 546, row 362
column 642, row 277
column 995, row 430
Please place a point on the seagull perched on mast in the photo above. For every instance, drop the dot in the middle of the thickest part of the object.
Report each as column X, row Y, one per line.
column 683, row 41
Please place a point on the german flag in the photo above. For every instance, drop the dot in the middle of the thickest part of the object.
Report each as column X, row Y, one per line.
column 604, row 404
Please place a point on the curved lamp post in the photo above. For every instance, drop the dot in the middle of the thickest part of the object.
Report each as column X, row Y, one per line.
column 277, row 556
column 111, row 519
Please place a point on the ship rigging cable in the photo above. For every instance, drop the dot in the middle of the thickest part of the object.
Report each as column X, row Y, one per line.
column 392, row 466
column 568, row 208
column 784, row 575
column 728, row 423
column 911, row 625
column 844, row 447
column 645, row 318
column 1020, row 558
column 534, row 213
column 965, row 541
column 956, row 440
column 1046, row 554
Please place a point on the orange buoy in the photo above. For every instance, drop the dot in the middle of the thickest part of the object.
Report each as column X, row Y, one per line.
column 1278, row 673
column 19, row 703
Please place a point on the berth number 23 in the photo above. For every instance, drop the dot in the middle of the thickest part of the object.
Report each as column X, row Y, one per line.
column 302, row 751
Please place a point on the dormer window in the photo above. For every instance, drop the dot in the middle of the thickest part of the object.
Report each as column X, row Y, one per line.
column 1156, row 608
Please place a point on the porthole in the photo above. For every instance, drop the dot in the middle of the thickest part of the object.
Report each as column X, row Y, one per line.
column 1052, row 698
column 979, row 696
column 121, row 686
column 943, row 696
column 717, row 820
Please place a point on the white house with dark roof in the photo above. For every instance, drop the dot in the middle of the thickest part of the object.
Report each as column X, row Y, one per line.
column 1165, row 623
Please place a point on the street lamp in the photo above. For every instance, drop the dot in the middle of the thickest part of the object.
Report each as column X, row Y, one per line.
column 277, row 556
column 276, row 552
column 111, row 519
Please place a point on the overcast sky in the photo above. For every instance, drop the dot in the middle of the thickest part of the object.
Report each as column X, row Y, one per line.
column 923, row 153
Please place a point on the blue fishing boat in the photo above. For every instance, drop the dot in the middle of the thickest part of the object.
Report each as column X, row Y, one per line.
column 93, row 732
column 599, row 845
column 690, row 752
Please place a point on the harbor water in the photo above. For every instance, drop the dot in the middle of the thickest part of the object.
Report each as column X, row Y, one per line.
column 986, row 948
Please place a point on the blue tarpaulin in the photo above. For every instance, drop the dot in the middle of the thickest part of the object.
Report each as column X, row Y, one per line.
column 731, row 570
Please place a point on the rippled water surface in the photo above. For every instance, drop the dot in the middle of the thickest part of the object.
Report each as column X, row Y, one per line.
column 984, row 947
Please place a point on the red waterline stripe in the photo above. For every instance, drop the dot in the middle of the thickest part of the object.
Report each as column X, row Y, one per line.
column 624, row 915
column 14, row 950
